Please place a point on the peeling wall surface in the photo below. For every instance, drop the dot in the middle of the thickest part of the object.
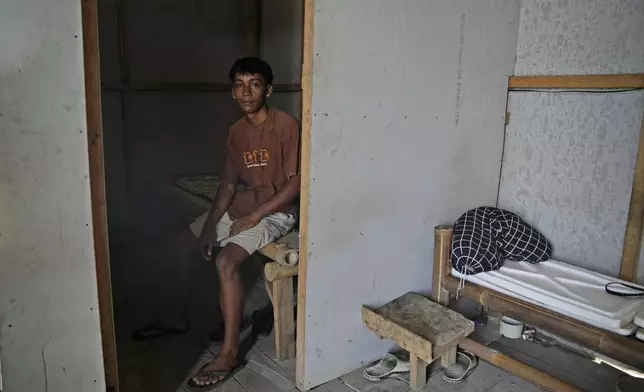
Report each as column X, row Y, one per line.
column 569, row 157
column 49, row 324
column 408, row 109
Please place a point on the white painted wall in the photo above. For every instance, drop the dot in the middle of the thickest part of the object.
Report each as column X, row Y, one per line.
column 569, row 158
column 49, row 325
column 389, row 160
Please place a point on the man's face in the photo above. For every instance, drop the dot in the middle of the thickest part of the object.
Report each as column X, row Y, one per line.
column 250, row 92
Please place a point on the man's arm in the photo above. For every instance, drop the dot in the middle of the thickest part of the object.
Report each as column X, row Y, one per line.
column 280, row 200
column 223, row 199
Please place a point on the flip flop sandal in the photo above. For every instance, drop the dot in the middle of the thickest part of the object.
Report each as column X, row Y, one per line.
column 155, row 332
column 389, row 364
column 192, row 386
column 465, row 363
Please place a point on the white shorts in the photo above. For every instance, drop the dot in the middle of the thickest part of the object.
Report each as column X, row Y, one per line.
column 267, row 230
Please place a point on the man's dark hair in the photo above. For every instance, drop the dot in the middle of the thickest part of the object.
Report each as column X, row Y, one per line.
column 250, row 66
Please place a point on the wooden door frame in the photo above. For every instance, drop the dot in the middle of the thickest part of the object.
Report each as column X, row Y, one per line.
column 305, row 169
column 91, row 62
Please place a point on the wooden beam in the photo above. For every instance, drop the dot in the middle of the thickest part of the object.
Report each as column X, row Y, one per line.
column 307, row 81
column 251, row 24
column 577, row 81
column 517, row 368
column 284, row 322
column 89, row 13
column 190, row 87
column 633, row 235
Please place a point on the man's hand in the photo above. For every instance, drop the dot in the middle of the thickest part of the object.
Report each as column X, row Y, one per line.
column 207, row 240
column 245, row 223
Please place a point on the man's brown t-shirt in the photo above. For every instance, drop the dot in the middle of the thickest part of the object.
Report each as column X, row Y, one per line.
column 265, row 157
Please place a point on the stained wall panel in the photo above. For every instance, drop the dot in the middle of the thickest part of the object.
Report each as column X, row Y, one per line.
column 568, row 169
column 50, row 336
column 569, row 158
column 408, row 109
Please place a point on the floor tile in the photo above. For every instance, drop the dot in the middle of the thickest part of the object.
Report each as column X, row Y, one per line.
column 515, row 384
column 333, row 386
column 262, row 374
column 483, row 378
column 356, row 381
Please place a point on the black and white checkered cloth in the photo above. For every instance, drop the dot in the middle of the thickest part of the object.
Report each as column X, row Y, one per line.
column 486, row 236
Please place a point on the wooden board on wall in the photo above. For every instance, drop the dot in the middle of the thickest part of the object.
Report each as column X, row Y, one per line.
column 407, row 117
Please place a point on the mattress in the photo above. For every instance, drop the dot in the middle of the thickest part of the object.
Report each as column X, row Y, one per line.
column 565, row 289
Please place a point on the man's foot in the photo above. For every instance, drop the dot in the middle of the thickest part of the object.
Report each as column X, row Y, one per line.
column 158, row 330
column 219, row 334
column 217, row 371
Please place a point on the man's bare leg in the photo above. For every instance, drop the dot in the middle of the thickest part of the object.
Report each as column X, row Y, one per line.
column 231, row 293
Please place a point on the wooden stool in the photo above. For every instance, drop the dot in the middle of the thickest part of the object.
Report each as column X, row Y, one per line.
column 424, row 328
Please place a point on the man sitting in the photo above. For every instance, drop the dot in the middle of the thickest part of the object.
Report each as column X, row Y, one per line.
column 262, row 149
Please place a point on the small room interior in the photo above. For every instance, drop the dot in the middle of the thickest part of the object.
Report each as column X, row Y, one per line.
column 412, row 112
column 166, row 110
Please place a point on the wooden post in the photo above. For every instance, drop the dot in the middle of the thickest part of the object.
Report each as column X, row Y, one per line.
column 284, row 318
column 442, row 267
column 89, row 12
column 307, row 81
column 418, row 376
column 449, row 357
column 633, row 235
column 577, row 81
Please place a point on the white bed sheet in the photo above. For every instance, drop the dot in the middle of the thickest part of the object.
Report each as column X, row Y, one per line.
column 565, row 289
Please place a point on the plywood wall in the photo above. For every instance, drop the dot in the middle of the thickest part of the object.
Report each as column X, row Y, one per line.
column 49, row 324
column 408, row 109
column 569, row 157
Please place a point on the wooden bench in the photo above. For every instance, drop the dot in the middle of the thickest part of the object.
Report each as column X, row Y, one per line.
column 424, row 328
column 279, row 285
column 201, row 189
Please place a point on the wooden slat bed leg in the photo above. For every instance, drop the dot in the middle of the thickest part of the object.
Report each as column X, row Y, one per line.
column 284, row 318
column 442, row 244
column 418, row 376
column 449, row 358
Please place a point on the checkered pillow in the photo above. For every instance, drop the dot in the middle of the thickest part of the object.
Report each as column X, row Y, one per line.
column 519, row 241
column 485, row 236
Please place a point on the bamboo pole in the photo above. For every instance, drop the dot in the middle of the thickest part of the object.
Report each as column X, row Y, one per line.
column 273, row 271
column 517, row 368
column 442, row 242
column 615, row 346
column 633, row 235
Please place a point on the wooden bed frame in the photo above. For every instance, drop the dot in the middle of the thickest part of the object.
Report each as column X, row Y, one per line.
column 623, row 349
column 627, row 350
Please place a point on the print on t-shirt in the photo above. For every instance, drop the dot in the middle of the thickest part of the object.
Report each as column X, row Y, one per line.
column 256, row 158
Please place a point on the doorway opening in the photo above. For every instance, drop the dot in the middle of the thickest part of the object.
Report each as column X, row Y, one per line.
column 166, row 109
